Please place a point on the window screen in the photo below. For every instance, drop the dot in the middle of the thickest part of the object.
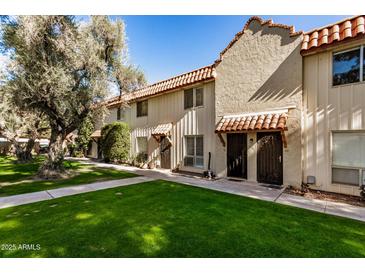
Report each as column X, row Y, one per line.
column 142, row 108
column 199, row 94
column 348, row 157
column 141, row 144
column 346, row 67
column 194, row 151
column 188, row 98
column 348, row 149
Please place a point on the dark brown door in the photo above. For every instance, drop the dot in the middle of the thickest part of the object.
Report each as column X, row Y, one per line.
column 269, row 158
column 237, row 155
column 165, row 152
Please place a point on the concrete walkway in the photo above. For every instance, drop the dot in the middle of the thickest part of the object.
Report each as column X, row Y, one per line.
column 33, row 197
column 247, row 189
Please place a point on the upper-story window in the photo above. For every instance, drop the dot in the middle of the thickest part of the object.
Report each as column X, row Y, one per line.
column 193, row 97
column 142, row 108
column 120, row 113
column 348, row 66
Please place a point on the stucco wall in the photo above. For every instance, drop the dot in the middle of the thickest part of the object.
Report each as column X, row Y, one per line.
column 328, row 108
column 262, row 71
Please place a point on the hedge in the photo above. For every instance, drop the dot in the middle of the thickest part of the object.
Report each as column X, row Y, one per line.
column 115, row 142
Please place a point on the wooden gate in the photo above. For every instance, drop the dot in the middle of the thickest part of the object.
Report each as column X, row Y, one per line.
column 269, row 158
column 165, row 153
column 237, row 155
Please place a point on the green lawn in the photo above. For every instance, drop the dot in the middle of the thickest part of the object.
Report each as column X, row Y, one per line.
column 165, row 219
column 17, row 178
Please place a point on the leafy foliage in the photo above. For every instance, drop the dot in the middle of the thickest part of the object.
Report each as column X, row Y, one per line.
column 63, row 68
column 115, row 142
column 84, row 134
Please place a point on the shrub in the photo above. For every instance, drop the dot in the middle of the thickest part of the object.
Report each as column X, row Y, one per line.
column 115, row 142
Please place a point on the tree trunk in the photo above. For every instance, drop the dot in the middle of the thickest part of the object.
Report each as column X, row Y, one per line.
column 52, row 167
column 24, row 155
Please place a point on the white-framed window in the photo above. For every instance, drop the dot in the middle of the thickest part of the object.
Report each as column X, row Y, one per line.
column 348, row 66
column 194, row 151
column 193, row 97
column 348, row 157
column 142, row 145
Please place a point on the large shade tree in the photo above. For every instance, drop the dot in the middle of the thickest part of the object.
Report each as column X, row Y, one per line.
column 63, row 68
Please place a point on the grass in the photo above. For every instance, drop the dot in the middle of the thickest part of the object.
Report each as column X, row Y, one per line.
column 165, row 219
column 17, row 178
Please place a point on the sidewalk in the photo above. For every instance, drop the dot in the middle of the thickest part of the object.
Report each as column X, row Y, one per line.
column 252, row 190
column 44, row 195
column 246, row 189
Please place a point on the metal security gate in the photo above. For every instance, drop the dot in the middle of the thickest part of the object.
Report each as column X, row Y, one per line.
column 165, row 152
column 237, row 155
column 269, row 158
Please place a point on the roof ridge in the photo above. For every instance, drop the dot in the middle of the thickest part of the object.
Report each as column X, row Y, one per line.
column 176, row 76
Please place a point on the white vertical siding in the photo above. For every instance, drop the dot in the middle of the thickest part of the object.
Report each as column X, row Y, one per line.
column 327, row 108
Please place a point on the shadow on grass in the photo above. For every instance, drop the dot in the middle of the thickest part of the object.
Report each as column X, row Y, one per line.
column 12, row 175
column 164, row 219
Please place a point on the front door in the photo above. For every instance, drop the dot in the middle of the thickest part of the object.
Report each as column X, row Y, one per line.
column 165, row 153
column 237, row 155
column 269, row 158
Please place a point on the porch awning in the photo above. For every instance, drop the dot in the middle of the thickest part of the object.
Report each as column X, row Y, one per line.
column 252, row 122
column 162, row 130
column 96, row 134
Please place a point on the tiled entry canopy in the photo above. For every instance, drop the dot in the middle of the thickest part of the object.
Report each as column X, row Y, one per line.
column 246, row 122
column 162, row 130
column 253, row 121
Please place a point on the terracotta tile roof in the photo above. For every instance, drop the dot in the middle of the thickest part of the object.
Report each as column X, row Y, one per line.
column 162, row 129
column 192, row 77
column 269, row 23
column 344, row 30
column 248, row 122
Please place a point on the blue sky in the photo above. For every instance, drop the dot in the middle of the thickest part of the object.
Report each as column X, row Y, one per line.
column 164, row 46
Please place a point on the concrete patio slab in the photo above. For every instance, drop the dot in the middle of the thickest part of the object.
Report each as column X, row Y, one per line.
column 23, row 199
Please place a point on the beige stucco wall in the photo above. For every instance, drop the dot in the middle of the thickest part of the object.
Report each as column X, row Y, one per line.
column 169, row 108
column 328, row 108
column 262, row 71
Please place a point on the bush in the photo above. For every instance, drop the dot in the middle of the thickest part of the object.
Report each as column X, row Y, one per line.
column 115, row 142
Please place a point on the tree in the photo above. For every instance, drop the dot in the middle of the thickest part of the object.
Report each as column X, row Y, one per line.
column 62, row 68
column 15, row 123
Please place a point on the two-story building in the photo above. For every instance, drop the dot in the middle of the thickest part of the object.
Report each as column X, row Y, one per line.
column 277, row 106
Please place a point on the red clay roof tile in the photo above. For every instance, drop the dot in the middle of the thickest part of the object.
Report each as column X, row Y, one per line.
column 340, row 31
column 269, row 121
column 198, row 75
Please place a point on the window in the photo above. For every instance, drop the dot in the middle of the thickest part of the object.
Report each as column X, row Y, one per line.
column 348, row 157
column 120, row 113
column 347, row 66
column 194, row 151
column 199, row 97
column 142, row 108
column 193, row 97
column 141, row 144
